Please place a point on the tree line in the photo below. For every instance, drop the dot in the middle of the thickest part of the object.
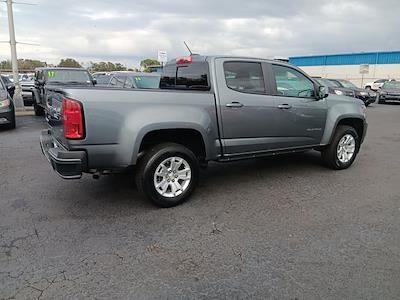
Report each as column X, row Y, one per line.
column 31, row 64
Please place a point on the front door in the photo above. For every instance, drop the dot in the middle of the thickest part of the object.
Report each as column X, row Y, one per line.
column 300, row 117
column 246, row 110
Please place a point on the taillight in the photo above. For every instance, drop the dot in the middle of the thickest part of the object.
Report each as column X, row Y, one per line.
column 73, row 119
column 184, row 60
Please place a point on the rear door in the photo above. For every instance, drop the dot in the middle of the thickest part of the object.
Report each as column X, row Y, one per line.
column 246, row 109
column 300, row 117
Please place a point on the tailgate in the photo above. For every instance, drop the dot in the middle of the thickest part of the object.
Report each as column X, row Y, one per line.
column 54, row 114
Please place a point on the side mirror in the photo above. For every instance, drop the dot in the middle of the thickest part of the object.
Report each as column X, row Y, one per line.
column 323, row 92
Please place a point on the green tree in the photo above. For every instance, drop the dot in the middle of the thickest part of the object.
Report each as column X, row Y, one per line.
column 107, row 67
column 30, row 64
column 147, row 63
column 69, row 63
column 23, row 64
column 5, row 65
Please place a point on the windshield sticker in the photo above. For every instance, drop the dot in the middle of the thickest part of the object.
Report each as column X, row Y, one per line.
column 138, row 78
column 51, row 74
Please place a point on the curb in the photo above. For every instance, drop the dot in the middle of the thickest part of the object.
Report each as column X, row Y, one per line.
column 24, row 113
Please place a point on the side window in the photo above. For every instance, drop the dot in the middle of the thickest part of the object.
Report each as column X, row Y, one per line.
column 193, row 76
column 129, row 83
column 118, row 81
column 245, row 77
column 38, row 75
column 292, row 83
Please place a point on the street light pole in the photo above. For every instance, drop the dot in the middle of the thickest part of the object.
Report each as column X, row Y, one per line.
column 18, row 101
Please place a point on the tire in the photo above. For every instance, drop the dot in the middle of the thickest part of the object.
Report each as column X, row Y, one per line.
column 158, row 158
column 331, row 155
column 12, row 125
column 381, row 101
column 39, row 111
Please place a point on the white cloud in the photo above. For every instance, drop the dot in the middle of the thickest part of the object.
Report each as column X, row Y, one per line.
column 127, row 31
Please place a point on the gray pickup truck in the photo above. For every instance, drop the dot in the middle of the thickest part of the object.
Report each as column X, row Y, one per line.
column 208, row 108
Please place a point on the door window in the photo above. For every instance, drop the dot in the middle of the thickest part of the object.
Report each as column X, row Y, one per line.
column 118, row 81
column 245, row 77
column 129, row 83
column 292, row 83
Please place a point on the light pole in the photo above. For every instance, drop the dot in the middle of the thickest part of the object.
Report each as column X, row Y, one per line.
column 18, row 101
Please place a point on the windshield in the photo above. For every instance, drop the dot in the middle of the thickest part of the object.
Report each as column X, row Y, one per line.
column 391, row 85
column 347, row 84
column 147, row 82
column 326, row 82
column 102, row 79
column 65, row 76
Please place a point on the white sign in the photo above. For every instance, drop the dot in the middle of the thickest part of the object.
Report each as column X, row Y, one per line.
column 364, row 69
column 162, row 56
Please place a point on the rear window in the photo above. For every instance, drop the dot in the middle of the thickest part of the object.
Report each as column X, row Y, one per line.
column 67, row 76
column 194, row 76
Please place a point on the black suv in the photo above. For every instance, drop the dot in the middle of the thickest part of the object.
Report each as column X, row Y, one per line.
column 48, row 79
column 367, row 96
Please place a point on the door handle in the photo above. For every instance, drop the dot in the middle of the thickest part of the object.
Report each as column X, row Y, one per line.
column 284, row 106
column 234, row 104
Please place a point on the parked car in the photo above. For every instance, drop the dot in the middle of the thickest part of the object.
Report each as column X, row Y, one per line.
column 375, row 85
column 50, row 80
column 9, row 85
column 27, row 87
column 390, row 92
column 367, row 96
column 7, row 110
column 335, row 88
column 128, row 79
column 214, row 108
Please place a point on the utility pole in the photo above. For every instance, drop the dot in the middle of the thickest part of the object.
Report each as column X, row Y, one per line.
column 18, row 101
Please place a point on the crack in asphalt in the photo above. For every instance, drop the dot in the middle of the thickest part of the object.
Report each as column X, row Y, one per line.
column 12, row 245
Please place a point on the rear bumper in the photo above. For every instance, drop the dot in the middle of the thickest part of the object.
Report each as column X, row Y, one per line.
column 390, row 98
column 67, row 164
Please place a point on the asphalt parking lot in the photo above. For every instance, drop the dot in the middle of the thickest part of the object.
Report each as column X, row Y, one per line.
column 281, row 228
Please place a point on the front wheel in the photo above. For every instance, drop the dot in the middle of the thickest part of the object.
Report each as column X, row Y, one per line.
column 168, row 174
column 341, row 153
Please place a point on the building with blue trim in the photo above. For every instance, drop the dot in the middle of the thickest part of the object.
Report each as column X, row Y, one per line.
column 385, row 65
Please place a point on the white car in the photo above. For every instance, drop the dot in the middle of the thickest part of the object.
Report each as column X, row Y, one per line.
column 375, row 85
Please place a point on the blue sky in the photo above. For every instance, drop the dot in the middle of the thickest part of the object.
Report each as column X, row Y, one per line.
column 128, row 31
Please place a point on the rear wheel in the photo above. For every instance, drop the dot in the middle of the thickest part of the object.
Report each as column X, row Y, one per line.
column 167, row 174
column 341, row 153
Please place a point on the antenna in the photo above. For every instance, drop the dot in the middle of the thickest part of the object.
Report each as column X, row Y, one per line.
column 190, row 51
